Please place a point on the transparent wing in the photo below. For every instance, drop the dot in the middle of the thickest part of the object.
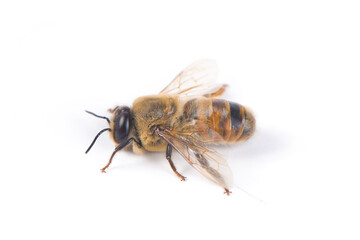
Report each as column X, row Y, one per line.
column 198, row 79
column 204, row 159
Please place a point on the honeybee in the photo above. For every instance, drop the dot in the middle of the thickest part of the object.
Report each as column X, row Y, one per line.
column 186, row 116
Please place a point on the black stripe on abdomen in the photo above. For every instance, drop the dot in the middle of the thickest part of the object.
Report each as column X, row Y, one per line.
column 236, row 117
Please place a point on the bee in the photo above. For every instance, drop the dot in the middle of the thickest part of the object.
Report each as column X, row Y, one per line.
column 186, row 116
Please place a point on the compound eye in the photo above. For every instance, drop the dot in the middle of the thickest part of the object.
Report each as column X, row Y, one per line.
column 121, row 125
column 124, row 124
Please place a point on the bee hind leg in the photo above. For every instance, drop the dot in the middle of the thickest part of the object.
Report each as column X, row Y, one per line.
column 168, row 157
column 227, row 191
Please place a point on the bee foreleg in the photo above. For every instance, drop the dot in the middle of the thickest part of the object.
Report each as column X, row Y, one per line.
column 168, row 157
column 118, row 148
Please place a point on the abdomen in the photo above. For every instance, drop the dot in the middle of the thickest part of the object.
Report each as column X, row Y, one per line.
column 230, row 120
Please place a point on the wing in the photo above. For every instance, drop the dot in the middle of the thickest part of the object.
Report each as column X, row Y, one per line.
column 198, row 79
column 207, row 161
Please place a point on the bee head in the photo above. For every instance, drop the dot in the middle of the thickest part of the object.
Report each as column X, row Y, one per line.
column 119, row 125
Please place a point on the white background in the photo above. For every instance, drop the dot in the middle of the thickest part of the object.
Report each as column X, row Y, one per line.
column 294, row 63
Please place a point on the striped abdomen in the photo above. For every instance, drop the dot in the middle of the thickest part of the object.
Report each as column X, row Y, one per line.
column 230, row 120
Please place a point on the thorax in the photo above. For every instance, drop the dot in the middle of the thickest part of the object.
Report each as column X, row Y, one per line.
column 153, row 111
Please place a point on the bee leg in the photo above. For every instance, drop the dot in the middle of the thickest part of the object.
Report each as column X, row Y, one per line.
column 112, row 110
column 227, row 192
column 118, row 148
column 219, row 92
column 168, row 157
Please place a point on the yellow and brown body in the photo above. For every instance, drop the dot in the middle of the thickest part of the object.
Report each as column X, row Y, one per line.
column 186, row 116
column 229, row 120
